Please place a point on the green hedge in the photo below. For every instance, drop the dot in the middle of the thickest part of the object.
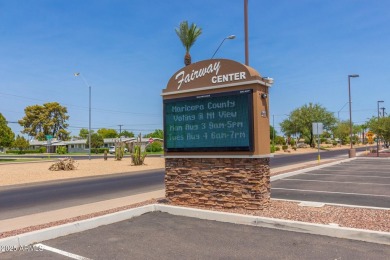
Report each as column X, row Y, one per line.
column 99, row 150
column 24, row 151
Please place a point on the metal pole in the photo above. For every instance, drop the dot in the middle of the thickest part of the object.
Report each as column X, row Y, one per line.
column 89, row 127
column 350, row 111
column 273, row 130
column 246, row 32
column 377, row 136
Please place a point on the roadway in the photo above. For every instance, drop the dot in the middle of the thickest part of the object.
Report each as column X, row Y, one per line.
column 22, row 200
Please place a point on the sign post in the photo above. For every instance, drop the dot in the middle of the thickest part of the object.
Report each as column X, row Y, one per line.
column 318, row 128
column 370, row 136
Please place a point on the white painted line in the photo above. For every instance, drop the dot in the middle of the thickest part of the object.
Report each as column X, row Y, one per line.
column 333, row 192
column 60, row 252
column 346, row 175
column 289, row 174
column 354, row 170
column 341, row 182
column 311, row 204
column 337, row 204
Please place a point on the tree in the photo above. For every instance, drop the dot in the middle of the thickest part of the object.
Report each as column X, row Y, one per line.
column 271, row 133
column 21, row 143
column 158, row 133
column 107, row 133
column 96, row 141
column 188, row 36
column 48, row 119
column 6, row 134
column 341, row 131
column 380, row 127
column 84, row 133
column 301, row 119
column 127, row 134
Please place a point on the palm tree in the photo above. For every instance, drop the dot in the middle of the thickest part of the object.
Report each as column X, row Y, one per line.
column 188, row 36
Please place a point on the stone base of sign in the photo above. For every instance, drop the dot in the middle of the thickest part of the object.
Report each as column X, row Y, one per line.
column 218, row 182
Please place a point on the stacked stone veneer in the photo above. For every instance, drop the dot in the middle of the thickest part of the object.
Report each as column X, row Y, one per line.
column 218, row 182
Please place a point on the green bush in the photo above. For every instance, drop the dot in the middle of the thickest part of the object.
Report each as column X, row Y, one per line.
column 277, row 148
column 154, row 147
column 99, row 150
column 334, row 143
column 42, row 150
column 284, row 147
column 292, row 142
column 273, row 148
column 61, row 150
column 279, row 140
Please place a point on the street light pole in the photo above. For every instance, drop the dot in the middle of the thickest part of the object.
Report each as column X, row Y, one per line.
column 338, row 112
column 377, row 136
column 230, row 37
column 351, row 151
column 89, row 124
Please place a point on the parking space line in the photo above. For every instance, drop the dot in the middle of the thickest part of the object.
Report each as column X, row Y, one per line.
column 333, row 170
column 364, row 183
column 333, row 192
column 336, row 204
column 61, row 252
column 347, row 175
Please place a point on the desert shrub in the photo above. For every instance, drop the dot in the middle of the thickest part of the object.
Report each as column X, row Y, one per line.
column 284, row 147
column 292, row 142
column 137, row 157
column 66, row 164
column 273, row 148
column 277, row 148
column 294, row 148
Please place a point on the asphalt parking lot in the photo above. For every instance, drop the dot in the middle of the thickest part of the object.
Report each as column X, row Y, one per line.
column 359, row 182
column 163, row 236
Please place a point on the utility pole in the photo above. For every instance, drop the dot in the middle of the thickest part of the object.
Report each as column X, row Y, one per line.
column 383, row 111
column 246, row 32
column 120, row 129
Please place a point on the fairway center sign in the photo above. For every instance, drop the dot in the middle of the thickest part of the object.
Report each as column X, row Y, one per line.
column 217, row 136
column 210, row 73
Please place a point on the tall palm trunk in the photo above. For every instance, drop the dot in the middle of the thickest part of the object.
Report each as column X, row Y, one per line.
column 187, row 59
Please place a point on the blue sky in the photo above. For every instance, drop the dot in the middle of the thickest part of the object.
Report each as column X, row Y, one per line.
column 127, row 50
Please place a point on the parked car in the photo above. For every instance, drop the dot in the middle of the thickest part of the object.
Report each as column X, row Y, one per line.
column 111, row 149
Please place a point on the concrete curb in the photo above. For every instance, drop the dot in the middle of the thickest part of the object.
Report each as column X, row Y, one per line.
column 289, row 225
column 295, row 226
